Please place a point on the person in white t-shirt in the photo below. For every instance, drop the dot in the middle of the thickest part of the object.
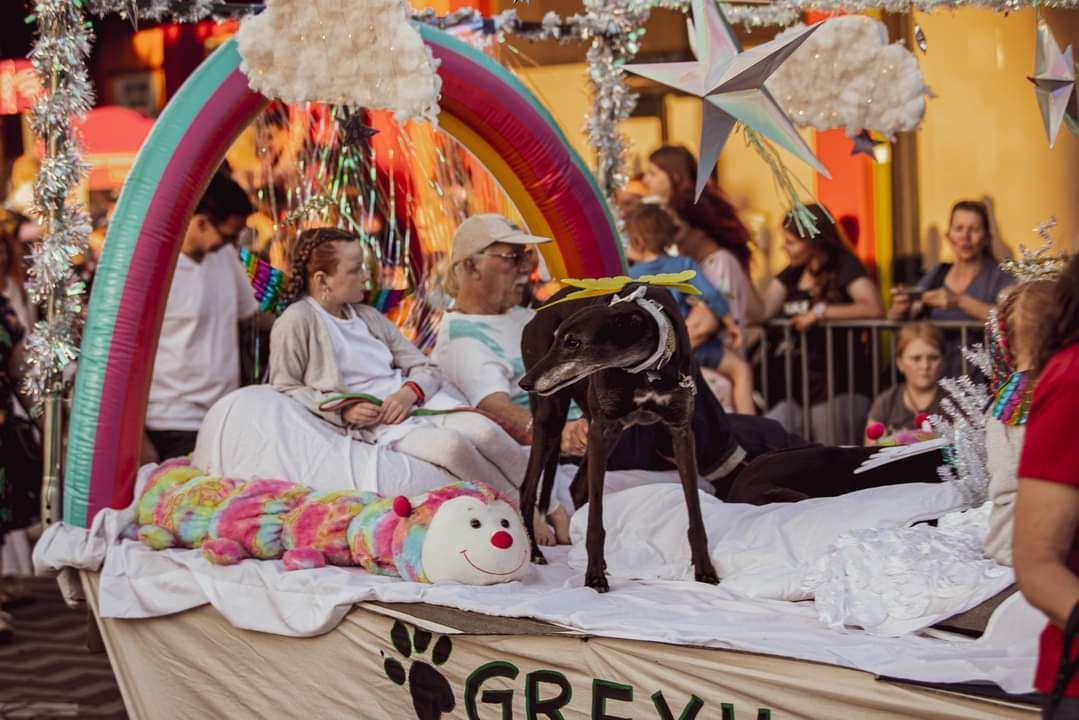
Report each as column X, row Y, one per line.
column 198, row 353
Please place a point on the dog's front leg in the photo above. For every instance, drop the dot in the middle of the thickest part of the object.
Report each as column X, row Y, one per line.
column 602, row 436
column 686, row 457
column 549, row 415
column 537, row 461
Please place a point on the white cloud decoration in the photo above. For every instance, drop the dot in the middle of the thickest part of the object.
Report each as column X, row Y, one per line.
column 847, row 75
column 361, row 53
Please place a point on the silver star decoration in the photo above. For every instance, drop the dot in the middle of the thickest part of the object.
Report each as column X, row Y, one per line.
column 1054, row 80
column 864, row 144
column 731, row 82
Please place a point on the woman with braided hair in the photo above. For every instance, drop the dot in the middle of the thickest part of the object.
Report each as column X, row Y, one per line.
column 328, row 344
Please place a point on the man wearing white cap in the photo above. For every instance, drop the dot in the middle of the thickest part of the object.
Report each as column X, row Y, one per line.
column 479, row 343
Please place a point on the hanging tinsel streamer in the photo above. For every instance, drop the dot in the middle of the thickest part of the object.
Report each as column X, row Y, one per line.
column 178, row 10
column 59, row 56
column 616, row 34
column 756, row 14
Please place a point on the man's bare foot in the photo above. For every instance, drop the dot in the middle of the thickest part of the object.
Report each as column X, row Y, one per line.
column 560, row 520
column 545, row 536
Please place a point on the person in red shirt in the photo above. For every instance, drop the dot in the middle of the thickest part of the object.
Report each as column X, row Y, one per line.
column 1046, row 540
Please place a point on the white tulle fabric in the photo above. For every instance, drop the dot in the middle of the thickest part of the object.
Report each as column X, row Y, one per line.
column 846, row 75
column 892, row 581
column 362, row 54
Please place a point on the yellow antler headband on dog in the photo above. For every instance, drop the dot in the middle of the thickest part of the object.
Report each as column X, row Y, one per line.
column 597, row 287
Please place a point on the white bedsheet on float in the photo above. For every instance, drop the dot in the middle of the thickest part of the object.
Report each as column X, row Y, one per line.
column 770, row 549
column 258, row 432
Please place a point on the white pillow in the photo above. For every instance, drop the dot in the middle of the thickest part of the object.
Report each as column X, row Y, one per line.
column 758, row 551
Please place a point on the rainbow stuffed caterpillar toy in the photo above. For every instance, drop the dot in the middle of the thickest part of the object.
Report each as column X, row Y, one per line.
column 464, row 531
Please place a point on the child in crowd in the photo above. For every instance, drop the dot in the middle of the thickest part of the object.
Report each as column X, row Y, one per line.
column 651, row 230
column 919, row 355
column 326, row 343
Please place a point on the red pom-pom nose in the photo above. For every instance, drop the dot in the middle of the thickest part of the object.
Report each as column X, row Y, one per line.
column 874, row 430
column 502, row 540
column 401, row 506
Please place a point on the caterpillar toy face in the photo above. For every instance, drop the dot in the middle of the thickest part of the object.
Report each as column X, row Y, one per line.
column 476, row 543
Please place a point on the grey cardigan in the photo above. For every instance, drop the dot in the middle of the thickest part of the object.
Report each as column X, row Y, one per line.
column 303, row 365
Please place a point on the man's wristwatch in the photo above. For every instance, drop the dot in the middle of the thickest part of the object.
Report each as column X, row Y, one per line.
column 819, row 309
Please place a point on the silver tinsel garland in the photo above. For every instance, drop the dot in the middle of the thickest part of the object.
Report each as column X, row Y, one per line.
column 751, row 14
column 59, row 56
column 159, row 10
column 616, row 34
column 962, row 425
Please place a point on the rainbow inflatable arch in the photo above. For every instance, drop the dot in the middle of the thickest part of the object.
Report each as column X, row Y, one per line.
column 483, row 106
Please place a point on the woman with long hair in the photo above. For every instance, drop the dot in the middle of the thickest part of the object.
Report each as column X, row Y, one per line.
column 824, row 281
column 1046, row 536
column 709, row 231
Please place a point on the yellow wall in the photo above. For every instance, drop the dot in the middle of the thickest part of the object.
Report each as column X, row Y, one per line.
column 982, row 136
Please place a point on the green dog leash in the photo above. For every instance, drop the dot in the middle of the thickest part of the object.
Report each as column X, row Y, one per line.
column 337, row 402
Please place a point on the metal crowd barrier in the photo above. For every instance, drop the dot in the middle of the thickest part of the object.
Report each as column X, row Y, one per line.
column 881, row 332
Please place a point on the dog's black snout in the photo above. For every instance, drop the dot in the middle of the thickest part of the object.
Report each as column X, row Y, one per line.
column 527, row 383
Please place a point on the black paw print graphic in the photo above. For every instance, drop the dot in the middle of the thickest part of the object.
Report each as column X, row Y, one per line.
column 430, row 690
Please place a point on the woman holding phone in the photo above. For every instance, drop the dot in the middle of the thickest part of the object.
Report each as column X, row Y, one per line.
column 964, row 290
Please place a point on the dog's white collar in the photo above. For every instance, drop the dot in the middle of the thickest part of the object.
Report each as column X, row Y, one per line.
column 665, row 346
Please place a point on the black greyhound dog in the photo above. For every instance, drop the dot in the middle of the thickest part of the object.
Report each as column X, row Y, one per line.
column 626, row 360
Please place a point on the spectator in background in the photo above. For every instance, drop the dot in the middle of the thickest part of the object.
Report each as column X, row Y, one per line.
column 919, row 355
column 824, row 281
column 13, row 269
column 964, row 290
column 709, row 232
column 198, row 358
column 20, row 458
column 1046, row 539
